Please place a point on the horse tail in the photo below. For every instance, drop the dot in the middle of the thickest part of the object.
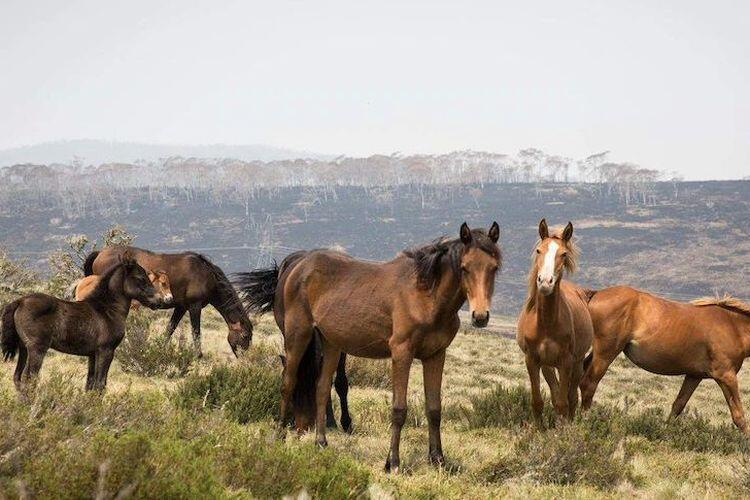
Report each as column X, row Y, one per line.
column 303, row 397
column 9, row 338
column 258, row 287
column 88, row 264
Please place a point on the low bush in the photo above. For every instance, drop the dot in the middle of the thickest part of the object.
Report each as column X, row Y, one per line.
column 148, row 355
column 505, row 407
column 574, row 453
column 245, row 392
column 363, row 372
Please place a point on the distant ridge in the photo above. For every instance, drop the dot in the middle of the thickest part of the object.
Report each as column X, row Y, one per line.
column 95, row 152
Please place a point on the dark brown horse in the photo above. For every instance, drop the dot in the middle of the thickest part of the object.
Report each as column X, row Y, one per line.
column 93, row 327
column 708, row 338
column 403, row 309
column 195, row 282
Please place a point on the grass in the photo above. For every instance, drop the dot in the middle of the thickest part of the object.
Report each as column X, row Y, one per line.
column 209, row 432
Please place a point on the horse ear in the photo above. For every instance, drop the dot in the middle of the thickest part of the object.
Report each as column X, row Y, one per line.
column 494, row 232
column 568, row 232
column 465, row 233
column 543, row 229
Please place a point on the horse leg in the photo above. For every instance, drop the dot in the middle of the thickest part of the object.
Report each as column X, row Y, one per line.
column 575, row 380
column 103, row 360
column 342, row 389
column 195, row 322
column 688, row 387
column 331, row 357
column 35, row 357
column 20, row 365
column 330, row 417
column 402, row 357
column 554, row 386
column 603, row 357
column 566, row 374
column 296, row 341
column 432, row 369
column 90, row 379
column 177, row 315
column 537, row 403
column 728, row 384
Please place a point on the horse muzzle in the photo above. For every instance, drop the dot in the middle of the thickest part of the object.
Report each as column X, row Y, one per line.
column 480, row 320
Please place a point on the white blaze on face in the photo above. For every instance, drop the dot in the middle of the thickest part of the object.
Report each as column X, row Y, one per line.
column 548, row 266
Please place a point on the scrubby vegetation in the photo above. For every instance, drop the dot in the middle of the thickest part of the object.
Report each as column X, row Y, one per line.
column 173, row 426
column 146, row 351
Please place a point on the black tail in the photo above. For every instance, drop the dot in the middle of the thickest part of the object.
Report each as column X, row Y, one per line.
column 88, row 264
column 587, row 361
column 258, row 288
column 303, row 398
column 9, row 335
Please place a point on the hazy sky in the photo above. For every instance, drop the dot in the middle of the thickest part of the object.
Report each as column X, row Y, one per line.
column 666, row 86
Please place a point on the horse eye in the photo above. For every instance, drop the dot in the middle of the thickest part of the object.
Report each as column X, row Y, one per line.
column 538, row 251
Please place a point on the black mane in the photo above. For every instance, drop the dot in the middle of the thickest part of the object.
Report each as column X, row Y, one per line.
column 428, row 258
column 101, row 292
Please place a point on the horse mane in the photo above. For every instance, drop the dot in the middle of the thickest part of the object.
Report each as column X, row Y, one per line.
column 429, row 258
column 726, row 302
column 227, row 292
column 570, row 265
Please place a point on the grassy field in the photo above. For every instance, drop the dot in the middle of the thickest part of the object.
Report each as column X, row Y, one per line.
column 205, row 429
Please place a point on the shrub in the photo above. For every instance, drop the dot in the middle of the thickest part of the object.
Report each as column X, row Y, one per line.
column 245, row 392
column 506, row 407
column 687, row 432
column 272, row 469
column 148, row 355
column 568, row 454
column 363, row 372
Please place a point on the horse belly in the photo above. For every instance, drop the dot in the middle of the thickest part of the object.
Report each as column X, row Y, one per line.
column 661, row 360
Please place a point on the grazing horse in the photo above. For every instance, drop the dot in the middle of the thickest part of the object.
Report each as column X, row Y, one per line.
column 159, row 279
column 195, row 282
column 403, row 309
column 93, row 327
column 554, row 328
column 708, row 338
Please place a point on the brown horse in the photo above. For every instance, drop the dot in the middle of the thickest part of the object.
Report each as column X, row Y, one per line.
column 195, row 282
column 403, row 309
column 158, row 278
column 554, row 328
column 708, row 338
column 93, row 327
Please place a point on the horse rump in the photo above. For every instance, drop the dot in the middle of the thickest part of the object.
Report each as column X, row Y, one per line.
column 88, row 264
column 9, row 338
column 258, row 288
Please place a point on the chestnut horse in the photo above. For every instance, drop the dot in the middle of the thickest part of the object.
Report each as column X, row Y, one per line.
column 159, row 279
column 554, row 328
column 403, row 309
column 93, row 327
column 708, row 338
column 195, row 282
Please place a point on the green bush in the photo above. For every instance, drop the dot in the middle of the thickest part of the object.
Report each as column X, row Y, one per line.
column 364, row 372
column 687, row 432
column 506, row 407
column 148, row 355
column 245, row 392
column 567, row 454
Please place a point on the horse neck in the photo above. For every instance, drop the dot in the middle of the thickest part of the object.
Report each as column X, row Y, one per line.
column 448, row 295
column 548, row 306
column 229, row 306
column 113, row 301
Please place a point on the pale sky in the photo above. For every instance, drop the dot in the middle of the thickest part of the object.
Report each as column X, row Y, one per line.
column 664, row 84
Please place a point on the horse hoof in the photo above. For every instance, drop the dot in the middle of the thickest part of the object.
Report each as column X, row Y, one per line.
column 347, row 426
column 391, row 468
column 322, row 443
column 437, row 459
